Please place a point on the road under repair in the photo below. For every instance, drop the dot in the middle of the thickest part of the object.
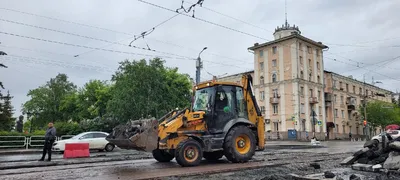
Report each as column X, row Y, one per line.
column 273, row 163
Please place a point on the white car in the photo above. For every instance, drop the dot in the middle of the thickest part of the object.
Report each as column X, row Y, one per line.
column 393, row 133
column 96, row 140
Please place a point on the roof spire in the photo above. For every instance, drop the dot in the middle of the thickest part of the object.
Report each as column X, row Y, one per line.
column 286, row 23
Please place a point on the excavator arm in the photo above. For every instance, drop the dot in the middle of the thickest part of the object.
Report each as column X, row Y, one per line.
column 254, row 112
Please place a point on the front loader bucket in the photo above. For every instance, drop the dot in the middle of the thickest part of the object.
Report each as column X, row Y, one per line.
column 141, row 135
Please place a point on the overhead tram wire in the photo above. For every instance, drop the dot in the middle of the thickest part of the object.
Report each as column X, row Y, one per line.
column 213, row 23
column 65, row 21
column 88, row 47
column 92, row 38
column 110, row 50
column 384, row 61
column 110, row 30
column 142, row 35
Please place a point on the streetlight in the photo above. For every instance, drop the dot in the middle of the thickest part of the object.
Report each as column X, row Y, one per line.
column 199, row 65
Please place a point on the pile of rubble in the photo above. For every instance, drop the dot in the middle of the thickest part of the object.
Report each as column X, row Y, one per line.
column 377, row 155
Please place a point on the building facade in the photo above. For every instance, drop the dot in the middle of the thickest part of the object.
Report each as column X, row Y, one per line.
column 297, row 97
column 288, row 83
column 343, row 97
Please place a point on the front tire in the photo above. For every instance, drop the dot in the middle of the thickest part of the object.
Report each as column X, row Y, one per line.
column 162, row 156
column 189, row 153
column 240, row 144
column 109, row 147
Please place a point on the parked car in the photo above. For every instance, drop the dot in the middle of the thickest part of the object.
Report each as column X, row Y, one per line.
column 96, row 140
column 393, row 133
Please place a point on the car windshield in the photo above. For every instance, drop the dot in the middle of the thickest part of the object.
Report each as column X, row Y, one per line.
column 202, row 98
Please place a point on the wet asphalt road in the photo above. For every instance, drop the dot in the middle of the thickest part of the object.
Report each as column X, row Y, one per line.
column 281, row 156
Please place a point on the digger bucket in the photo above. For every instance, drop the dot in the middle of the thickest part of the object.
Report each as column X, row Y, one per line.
column 141, row 135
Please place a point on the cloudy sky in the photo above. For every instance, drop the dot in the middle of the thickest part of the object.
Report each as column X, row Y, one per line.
column 360, row 34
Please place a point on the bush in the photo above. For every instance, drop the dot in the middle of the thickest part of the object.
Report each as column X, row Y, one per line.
column 67, row 128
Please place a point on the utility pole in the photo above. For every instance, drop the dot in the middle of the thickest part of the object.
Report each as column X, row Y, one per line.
column 366, row 128
column 199, row 65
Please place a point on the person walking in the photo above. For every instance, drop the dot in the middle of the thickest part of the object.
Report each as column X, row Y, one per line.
column 49, row 139
column 350, row 136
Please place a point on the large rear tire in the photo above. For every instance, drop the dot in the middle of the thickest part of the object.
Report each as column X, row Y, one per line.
column 162, row 156
column 240, row 144
column 213, row 156
column 189, row 153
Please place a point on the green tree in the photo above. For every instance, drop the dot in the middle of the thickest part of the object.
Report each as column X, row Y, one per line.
column 7, row 122
column 46, row 100
column 142, row 89
column 381, row 114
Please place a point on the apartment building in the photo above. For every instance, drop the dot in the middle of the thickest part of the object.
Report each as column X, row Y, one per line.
column 343, row 97
column 297, row 96
column 288, row 83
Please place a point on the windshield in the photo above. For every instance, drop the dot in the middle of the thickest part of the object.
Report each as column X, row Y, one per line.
column 202, row 98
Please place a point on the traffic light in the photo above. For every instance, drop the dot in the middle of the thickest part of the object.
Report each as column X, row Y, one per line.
column 365, row 123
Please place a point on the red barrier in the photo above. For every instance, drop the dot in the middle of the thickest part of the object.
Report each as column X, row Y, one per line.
column 75, row 150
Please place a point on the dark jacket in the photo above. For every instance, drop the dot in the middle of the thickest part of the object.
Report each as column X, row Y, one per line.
column 50, row 134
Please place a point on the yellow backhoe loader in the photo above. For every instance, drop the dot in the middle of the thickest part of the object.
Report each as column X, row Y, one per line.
column 224, row 120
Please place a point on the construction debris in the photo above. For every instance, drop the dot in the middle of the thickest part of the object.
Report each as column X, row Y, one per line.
column 376, row 155
column 136, row 134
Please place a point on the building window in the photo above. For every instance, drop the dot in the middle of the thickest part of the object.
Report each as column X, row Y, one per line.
column 301, row 60
column 354, row 89
column 318, row 79
column 347, row 87
column 311, row 93
column 336, row 113
column 262, row 95
column 317, row 51
column 275, row 108
column 274, row 49
column 261, row 53
column 360, row 91
column 302, row 91
column 262, row 80
column 340, row 85
column 341, row 99
column 320, row 110
column 274, row 77
column 274, row 63
column 262, row 66
column 300, row 46
column 262, row 109
column 302, row 108
column 349, row 115
column 318, row 65
column 309, row 49
column 301, row 75
column 334, row 98
column 343, row 114
column 310, row 77
column 275, row 93
column 319, row 95
column 366, row 92
column 309, row 63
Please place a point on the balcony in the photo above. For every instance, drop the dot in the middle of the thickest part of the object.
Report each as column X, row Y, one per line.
column 313, row 100
column 351, row 103
column 274, row 100
column 328, row 97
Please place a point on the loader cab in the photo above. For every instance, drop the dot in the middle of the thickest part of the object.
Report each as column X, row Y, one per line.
column 222, row 103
